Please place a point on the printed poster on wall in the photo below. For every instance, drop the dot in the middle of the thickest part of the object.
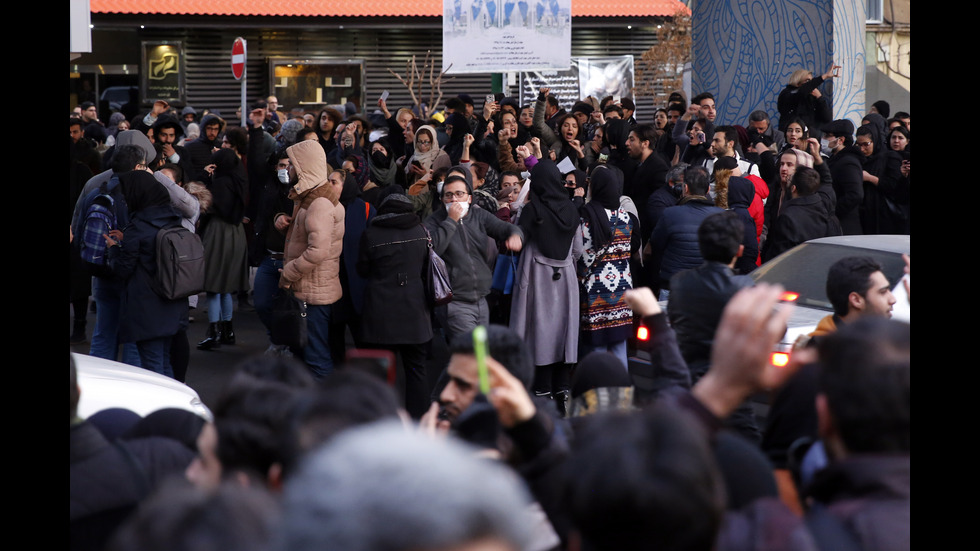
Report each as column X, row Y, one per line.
column 588, row 76
column 499, row 36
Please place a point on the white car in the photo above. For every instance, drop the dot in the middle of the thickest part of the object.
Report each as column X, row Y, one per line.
column 802, row 271
column 107, row 384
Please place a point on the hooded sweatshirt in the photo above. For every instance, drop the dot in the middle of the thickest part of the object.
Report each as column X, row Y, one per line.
column 315, row 238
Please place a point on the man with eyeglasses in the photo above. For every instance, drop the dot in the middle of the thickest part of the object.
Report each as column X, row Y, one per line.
column 460, row 236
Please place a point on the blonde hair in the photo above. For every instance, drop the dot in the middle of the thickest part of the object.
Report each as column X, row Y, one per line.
column 799, row 76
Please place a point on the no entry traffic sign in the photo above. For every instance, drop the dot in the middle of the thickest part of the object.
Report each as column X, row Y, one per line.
column 238, row 58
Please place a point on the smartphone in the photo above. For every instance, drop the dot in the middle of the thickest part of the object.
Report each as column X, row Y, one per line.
column 489, row 98
column 836, row 72
column 384, row 96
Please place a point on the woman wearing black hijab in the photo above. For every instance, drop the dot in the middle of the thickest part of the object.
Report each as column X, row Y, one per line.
column 146, row 318
column 225, row 248
column 607, row 233
column 545, row 311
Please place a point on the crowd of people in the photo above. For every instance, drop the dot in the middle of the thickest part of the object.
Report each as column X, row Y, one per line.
column 562, row 229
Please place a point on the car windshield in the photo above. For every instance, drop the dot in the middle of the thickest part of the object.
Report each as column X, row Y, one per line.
column 804, row 270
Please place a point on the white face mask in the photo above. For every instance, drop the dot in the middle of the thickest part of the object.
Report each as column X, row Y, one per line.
column 824, row 143
column 439, row 188
column 283, row 174
column 466, row 207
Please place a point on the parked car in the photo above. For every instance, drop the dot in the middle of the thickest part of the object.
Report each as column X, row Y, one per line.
column 802, row 271
column 107, row 384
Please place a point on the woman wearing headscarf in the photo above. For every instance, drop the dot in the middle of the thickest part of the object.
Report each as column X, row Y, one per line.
column 146, row 318
column 393, row 256
column 607, row 234
column 544, row 310
column 427, row 157
column 225, row 248
column 886, row 193
column 457, row 128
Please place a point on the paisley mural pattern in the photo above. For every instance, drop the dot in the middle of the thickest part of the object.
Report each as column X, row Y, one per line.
column 745, row 51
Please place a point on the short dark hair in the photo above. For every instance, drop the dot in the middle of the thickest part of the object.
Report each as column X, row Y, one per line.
column 851, row 274
column 719, row 236
column 126, row 157
column 552, row 100
column 701, row 97
column 455, row 104
column 613, row 107
column 75, row 121
column 302, row 133
column 678, row 107
column 902, row 115
column 510, row 173
column 731, row 135
column 252, row 423
column 806, row 180
column 758, row 116
column 866, row 377
column 696, row 180
column 178, row 172
column 865, row 130
column 503, row 345
column 238, row 138
column 646, row 133
column 644, row 480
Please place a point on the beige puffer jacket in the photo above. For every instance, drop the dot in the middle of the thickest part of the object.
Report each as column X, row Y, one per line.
column 315, row 239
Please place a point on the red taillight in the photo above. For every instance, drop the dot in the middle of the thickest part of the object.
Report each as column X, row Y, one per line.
column 779, row 359
column 642, row 333
column 789, row 296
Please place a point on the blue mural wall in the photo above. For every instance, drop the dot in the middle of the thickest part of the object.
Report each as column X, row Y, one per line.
column 744, row 52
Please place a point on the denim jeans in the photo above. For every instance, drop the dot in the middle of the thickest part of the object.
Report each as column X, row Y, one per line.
column 155, row 355
column 617, row 349
column 317, row 353
column 266, row 289
column 105, row 338
column 220, row 307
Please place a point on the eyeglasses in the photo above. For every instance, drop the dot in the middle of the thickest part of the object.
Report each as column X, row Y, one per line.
column 862, row 145
column 425, row 142
column 448, row 196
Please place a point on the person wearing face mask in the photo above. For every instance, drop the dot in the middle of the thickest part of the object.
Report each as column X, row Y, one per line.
column 459, row 236
column 845, row 162
column 382, row 164
column 271, row 223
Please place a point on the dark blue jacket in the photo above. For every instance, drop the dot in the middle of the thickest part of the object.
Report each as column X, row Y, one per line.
column 675, row 239
column 145, row 315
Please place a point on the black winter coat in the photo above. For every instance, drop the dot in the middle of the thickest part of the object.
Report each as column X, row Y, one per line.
column 393, row 258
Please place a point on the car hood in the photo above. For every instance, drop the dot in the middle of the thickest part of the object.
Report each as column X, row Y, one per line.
column 107, row 384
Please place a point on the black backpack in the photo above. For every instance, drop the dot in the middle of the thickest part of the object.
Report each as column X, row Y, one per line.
column 180, row 263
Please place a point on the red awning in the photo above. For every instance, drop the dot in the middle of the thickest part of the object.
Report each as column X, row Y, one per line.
column 361, row 8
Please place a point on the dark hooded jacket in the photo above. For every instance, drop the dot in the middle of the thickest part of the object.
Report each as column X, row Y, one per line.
column 145, row 314
column 200, row 149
